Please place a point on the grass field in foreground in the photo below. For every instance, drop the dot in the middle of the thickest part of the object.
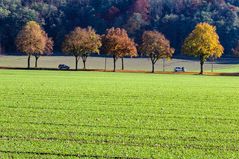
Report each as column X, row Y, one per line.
column 47, row 114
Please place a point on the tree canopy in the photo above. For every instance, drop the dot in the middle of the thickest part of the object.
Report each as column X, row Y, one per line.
column 174, row 18
column 80, row 43
column 203, row 42
column 155, row 46
column 117, row 44
column 31, row 40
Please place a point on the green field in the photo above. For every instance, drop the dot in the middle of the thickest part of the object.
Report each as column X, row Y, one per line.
column 53, row 114
column 232, row 68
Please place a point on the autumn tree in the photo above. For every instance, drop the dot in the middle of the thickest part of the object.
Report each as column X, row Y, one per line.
column 215, row 56
column 92, row 44
column 204, row 43
column 81, row 43
column 47, row 50
column 30, row 40
column 117, row 44
column 156, row 46
column 49, row 46
column 173, row 17
column 142, row 7
column 135, row 23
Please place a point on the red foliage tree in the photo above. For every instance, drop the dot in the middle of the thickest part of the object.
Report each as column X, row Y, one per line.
column 142, row 7
column 117, row 43
column 111, row 13
column 155, row 46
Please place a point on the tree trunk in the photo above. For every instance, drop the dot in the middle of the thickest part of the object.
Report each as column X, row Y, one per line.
column 212, row 65
column 122, row 63
column 105, row 63
column 84, row 58
column 153, row 60
column 28, row 61
column 36, row 61
column 201, row 63
column 212, row 69
column 84, row 64
column 153, row 67
column 76, row 60
column 163, row 64
column 115, row 63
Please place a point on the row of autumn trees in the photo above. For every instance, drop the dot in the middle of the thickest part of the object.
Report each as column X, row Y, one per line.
column 174, row 18
column 203, row 42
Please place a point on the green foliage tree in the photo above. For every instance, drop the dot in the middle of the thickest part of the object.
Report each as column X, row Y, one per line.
column 174, row 18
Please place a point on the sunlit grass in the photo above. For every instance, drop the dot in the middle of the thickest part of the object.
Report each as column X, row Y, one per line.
column 90, row 114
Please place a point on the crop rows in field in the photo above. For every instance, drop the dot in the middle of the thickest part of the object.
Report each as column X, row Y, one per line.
column 108, row 115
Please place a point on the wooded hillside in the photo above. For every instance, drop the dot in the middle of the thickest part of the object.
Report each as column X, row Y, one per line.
column 174, row 18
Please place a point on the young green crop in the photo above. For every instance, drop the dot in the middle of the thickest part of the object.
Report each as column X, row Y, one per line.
column 88, row 114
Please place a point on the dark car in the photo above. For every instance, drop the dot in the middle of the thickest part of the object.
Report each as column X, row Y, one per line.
column 63, row 67
column 179, row 69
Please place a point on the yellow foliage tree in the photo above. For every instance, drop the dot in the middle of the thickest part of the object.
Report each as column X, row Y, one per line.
column 81, row 43
column 204, row 43
column 31, row 40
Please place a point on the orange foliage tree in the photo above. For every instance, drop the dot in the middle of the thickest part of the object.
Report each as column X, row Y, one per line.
column 31, row 40
column 81, row 43
column 48, row 50
column 155, row 46
column 204, row 43
column 117, row 44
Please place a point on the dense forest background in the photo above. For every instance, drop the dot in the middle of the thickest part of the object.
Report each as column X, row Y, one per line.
column 174, row 18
